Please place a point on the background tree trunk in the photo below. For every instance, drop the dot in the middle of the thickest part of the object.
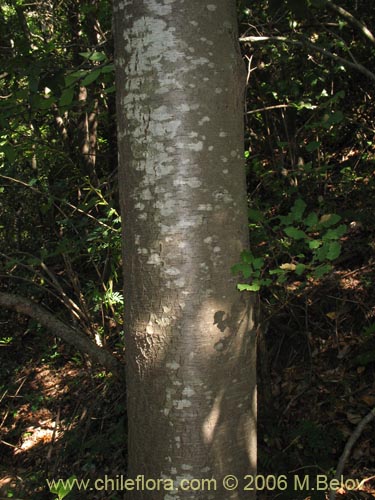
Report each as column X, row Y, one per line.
column 190, row 338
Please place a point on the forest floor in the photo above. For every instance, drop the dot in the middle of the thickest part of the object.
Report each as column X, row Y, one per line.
column 59, row 417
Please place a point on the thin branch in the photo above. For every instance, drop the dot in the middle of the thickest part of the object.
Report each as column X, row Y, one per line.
column 269, row 108
column 305, row 43
column 17, row 181
column 349, row 445
column 352, row 20
column 72, row 336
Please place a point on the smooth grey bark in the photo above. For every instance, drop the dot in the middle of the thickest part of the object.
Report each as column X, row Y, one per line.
column 190, row 339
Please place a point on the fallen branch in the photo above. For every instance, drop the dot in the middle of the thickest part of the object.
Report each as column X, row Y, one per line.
column 348, row 447
column 65, row 332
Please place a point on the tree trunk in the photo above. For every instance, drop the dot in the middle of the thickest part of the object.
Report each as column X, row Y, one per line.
column 190, row 339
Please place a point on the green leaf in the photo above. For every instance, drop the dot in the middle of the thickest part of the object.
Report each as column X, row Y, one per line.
column 303, row 105
column 300, row 269
column 110, row 90
column 320, row 271
column 41, row 102
column 10, row 152
column 276, row 271
column 329, row 220
column 314, row 244
column 94, row 56
column 281, row 279
column 243, row 268
column 312, row 146
column 258, row 263
column 63, row 488
column 298, row 209
column 249, row 288
column 286, row 219
column 321, row 253
column 335, row 233
column 255, row 215
column 311, row 220
column 109, row 68
column 91, row 77
column 337, row 117
column 334, row 250
column 66, row 97
column 370, row 330
column 295, row 233
column 80, row 73
column 246, row 256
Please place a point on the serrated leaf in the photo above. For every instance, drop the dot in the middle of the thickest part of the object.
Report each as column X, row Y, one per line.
column 295, row 233
column 91, row 77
